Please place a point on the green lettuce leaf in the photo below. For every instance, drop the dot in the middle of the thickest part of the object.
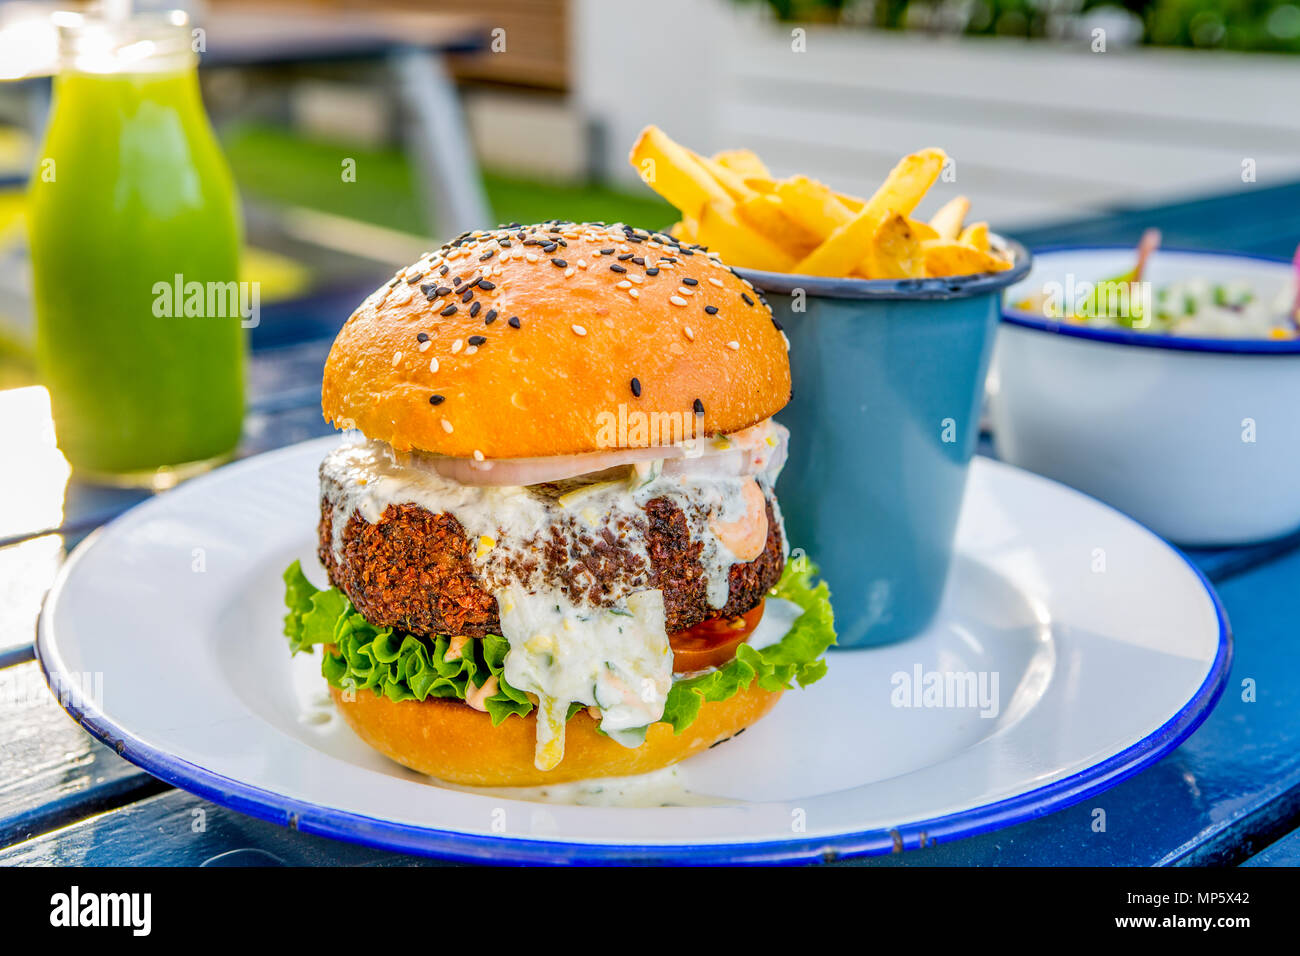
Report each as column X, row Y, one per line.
column 796, row 658
column 405, row 667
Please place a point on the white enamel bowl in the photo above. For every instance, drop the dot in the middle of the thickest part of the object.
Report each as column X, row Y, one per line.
column 1199, row 439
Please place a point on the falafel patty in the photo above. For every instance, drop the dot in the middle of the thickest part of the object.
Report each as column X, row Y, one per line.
column 413, row 569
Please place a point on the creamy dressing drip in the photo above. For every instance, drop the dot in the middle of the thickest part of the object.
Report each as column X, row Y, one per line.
column 564, row 650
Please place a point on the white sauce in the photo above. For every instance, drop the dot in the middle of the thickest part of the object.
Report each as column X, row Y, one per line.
column 561, row 650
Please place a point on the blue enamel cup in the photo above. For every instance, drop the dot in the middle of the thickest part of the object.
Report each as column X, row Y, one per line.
column 888, row 379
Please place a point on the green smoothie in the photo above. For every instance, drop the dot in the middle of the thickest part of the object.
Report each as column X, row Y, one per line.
column 131, row 196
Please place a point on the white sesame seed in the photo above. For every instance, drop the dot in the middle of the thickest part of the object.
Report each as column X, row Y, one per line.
column 568, row 273
column 457, row 346
column 433, row 365
column 578, row 330
column 634, row 293
column 689, row 334
column 733, row 345
column 682, row 290
column 471, row 350
column 677, row 300
column 624, row 284
column 582, row 263
column 397, row 357
column 531, row 256
column 446, row 426
column 637, row 279
column 716, row 281
column 478, row 455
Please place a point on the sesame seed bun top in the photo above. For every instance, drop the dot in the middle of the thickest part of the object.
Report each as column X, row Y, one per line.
column 531, row 341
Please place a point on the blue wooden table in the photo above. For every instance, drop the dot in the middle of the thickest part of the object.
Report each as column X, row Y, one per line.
column 1229, row 795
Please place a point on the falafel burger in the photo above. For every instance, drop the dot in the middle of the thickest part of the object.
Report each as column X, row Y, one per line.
column 552, row 540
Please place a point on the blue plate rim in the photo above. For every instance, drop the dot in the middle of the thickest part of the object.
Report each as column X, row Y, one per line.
column 1153, row 340
column 473, row 848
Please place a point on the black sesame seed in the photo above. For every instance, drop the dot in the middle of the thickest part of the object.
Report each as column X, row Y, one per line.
column 561, row 263
column 436, row 399
column 624, row 257
column 444, row 270
column 549, row 247
column 748, row 300
column 450, row 310
column 457, row 281
column 469, row 294
column 639, row 260
column 514, row 321
column 615, row 267
column 490, row 316
column 487, row 255
column 699, row 407
column 606, row 252
column 711, row 309
column 687, row 280
column 652, row 271
column 476, row 339
column 636, row 387
column 779, row 327
column 428, row 288
column 474, row 309
column 486, row 286
column 422, row 337
column 442, row 290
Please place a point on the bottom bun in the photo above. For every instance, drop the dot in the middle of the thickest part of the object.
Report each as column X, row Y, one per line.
column 450, row 740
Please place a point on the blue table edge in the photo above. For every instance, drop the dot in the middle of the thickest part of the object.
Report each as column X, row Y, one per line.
column 472, row 848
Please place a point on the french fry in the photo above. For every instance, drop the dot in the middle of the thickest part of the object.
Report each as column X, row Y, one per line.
column 908, row 182
column 765, row 213
column 947, row 257
column 684, row 230
column 724, row 233
column 672, row 172
column 742, row 162
column 841, row 252
column 896, row 250
column 977, row 235
column 729, row 180
column 947, row 221
column 731, row 203
column 813, row 205
column 923, row 230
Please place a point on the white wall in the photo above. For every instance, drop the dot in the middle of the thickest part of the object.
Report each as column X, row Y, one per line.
column 1039, row 130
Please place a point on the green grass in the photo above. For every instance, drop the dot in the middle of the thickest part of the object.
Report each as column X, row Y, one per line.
column 272, row 164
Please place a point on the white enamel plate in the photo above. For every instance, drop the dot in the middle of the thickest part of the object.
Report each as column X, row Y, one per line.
column 1073, row 649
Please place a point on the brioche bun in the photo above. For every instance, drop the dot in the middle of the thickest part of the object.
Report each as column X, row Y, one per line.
column 450, row 740
column 561, row 350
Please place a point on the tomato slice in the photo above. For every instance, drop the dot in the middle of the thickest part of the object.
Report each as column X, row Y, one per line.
column 712, row 643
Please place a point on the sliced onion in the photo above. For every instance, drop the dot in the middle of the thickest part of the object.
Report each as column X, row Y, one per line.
column 748, row 452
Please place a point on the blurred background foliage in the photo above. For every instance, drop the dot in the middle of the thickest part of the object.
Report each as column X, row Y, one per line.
column 1243, row 25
